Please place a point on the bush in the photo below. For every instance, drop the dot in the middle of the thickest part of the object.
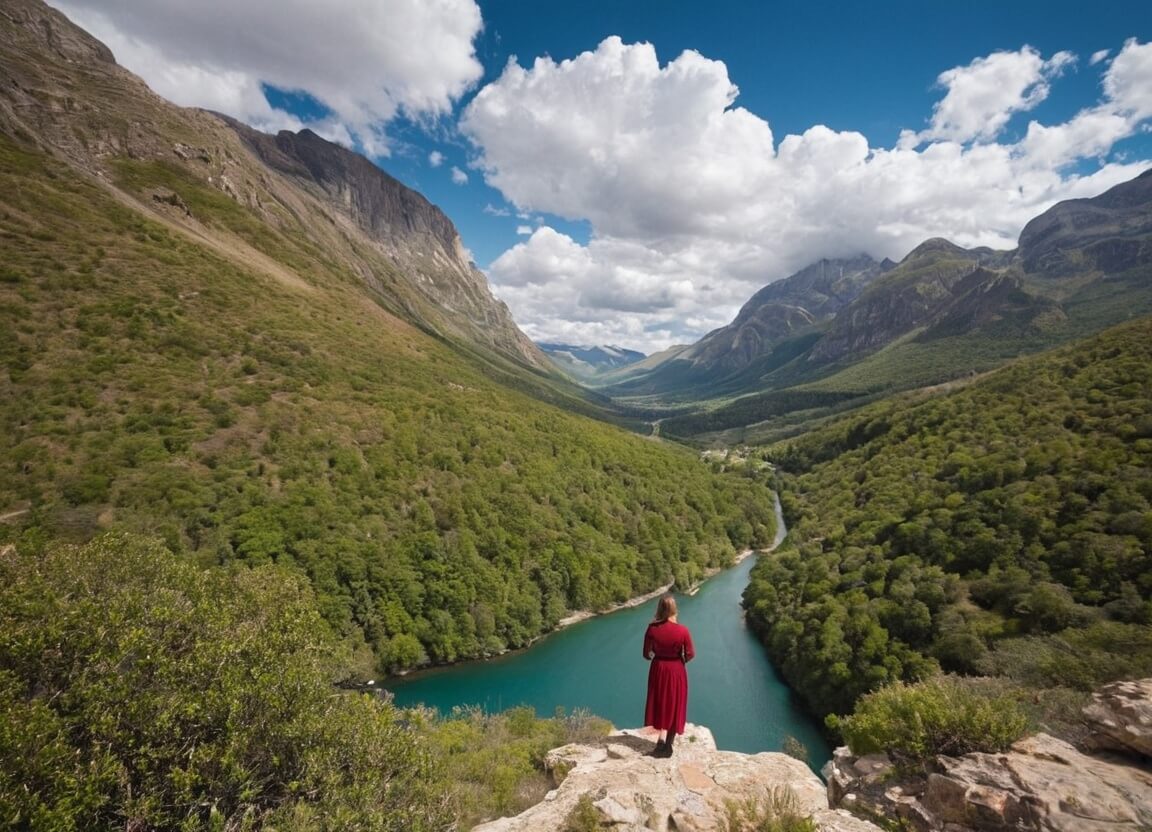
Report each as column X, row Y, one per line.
column 914, row 723
column 779, row 813
column 138, row 691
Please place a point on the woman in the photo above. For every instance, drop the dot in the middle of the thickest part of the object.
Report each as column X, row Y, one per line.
column 668, row 645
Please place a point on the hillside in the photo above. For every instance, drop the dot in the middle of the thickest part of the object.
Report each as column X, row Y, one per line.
column 1001, row 528
column 263, row 350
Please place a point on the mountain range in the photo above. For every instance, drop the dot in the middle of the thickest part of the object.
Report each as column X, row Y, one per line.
column 854, row 328
column 587, row 362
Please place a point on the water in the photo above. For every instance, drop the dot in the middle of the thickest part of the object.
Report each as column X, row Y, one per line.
column 597, row 665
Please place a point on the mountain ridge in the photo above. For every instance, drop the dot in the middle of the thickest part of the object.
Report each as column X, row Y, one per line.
column 942, row 312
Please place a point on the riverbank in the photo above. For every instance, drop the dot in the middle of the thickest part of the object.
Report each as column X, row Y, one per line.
column 584, row 615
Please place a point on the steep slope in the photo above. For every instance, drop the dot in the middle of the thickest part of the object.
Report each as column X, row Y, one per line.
column 908, row 297
column 63, row 88
column 1109, row 233
column 194, row 346
column 763, row 335
column 1000, row 529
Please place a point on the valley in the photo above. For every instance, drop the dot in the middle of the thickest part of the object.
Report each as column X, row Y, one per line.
column 294, row 515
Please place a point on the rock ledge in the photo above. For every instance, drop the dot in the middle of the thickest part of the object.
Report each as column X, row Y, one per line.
column 687, row 793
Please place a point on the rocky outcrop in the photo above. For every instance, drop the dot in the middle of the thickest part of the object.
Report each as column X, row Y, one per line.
column 1040, row 783
column 1120, row 718
column 688, row 793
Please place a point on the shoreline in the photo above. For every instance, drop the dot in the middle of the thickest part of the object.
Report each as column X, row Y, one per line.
column 584, row 615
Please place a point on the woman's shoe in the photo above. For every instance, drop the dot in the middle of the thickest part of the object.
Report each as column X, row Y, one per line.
column 658, row 751
column 664, row 750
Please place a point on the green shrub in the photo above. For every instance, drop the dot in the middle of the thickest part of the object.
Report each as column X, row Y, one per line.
column 137, row 691
column 778, row 813
column 914, row 723
column 584, row 817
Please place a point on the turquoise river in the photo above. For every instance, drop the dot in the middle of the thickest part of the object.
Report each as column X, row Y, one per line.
column 597, row 665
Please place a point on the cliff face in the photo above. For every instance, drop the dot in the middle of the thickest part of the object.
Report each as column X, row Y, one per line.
column 62, row 89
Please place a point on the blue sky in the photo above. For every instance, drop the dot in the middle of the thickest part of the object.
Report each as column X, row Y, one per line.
column 869, row 67
column 617, row 193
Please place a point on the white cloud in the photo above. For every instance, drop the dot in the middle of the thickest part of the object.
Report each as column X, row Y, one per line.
column 523, row 230
column 694, row 204
column 489, row 208
column 363, row 59
column 435, row 158
column 984, row 95
column 1098, row 56
column 459, row 177
column 1128, row 82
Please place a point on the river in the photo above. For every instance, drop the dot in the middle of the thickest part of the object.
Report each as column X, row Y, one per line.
column 597, row 665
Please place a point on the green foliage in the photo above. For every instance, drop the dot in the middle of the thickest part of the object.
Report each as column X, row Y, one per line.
column 795, row 749
column 583, row 817
column 494, row 763
column 254, row 415
column 939, row 530
column 915, row 723
column 779, row 812
column 139, row 691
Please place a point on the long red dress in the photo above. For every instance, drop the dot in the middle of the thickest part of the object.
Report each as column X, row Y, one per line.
column 669, row 646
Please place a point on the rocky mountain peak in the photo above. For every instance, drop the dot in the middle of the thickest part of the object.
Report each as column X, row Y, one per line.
column 57, row 32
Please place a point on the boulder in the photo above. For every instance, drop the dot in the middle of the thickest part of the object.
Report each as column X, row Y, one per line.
column 1120, row 718
column 1041, row 783
column 690, row 792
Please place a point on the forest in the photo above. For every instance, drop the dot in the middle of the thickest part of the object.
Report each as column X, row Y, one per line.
column 1001, row 529
column 154, row 386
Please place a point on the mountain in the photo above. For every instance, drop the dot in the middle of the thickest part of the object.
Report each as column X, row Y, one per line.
column 588, row 362
column 86, row 108
column 1109, row 233
column 261, row 350
column 734, row 356
column 944, row 312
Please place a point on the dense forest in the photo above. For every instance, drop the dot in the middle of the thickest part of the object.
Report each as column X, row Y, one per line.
column 1003, row 528
column 249, row 416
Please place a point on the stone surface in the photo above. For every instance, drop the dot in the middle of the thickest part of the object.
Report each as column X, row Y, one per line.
column 1120, row 717
column 687, row 793
column 1041, row 783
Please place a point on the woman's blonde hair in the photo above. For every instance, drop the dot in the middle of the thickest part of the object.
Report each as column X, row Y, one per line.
column 665, row 609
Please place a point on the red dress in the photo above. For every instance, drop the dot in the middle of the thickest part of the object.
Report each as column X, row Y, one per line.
column 669, row 646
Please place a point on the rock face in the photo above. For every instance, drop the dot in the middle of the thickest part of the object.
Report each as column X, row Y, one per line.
column 1120, row 717
column 1109, row 232
column 631, row 791
column 1041, row 783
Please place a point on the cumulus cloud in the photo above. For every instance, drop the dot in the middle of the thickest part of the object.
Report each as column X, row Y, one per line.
column 523, row 230
column 435, row 158
column 1098, row 56
column 459, row 177
column 984, row 95
column 365, row 60
column 694, row 204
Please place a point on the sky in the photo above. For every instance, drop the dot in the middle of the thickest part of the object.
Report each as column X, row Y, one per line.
column 630, row 172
